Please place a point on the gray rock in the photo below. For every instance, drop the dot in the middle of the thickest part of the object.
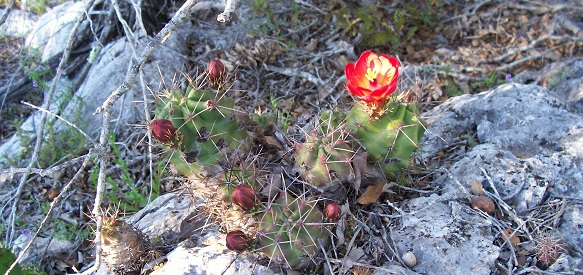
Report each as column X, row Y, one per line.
column 211, row 258
column 526, row 120
column 11, row 149
column 103, row 79
column 564, row 79
column 164, row 216
column 52, row 30
column 529, row 146
column 18, row 23
column 41, row 247
column 178, row 217
column 446, row 238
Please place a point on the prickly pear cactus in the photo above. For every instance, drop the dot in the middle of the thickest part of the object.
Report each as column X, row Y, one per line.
column 289, row 230
column 325, row 156
column 6, row 260
column 389, row 139
column 206, row 127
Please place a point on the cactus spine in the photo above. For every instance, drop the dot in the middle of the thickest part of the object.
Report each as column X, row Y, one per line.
column 390, row 138
column 325, row 156
column 289, row 230
column 206, row 127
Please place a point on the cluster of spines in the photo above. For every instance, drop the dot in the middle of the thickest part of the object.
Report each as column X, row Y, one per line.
column 291, row 229
column 326, row 155
column 206, row 128
column 389, row 139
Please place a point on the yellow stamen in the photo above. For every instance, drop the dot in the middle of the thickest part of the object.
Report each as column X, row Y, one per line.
column 371, row 74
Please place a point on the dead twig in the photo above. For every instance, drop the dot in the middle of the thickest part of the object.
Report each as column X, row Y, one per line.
column 56, row 201
column 230, row 7
column 105, row 110
column 50, row 172
column 6, row 12
column 40, row 130
column 305, row 75
column 64, row 120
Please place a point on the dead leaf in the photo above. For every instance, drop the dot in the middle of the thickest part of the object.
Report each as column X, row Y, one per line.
column 359, row 162
column 274, row 186
column 372, row 194
column 508, row 235
column 273, row 142
column 477, row 188
column 312, row 45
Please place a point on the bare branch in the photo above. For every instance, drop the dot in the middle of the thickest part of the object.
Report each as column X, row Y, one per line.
column 39, row 134
column 6, row 12
column 230, row 7
column 62, row 119
column 105, row 109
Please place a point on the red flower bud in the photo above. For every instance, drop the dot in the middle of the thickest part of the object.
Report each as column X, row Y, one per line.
column 163, row 130
column 244, row 196
column 237, row 241
column 216, row 73
column 332, row 211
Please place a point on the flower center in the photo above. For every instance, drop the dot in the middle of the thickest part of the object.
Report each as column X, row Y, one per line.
column 371, row 74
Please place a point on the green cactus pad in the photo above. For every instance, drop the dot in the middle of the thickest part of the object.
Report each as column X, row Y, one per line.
column 289, row 230
column 6, row 260
column 391, row 139
column 325, row 157
column 206, row 127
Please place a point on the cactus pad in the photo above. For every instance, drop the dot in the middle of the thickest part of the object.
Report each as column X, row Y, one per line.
column 325, row 156
column 392, row 138
column 206, row 125
column 289, row 230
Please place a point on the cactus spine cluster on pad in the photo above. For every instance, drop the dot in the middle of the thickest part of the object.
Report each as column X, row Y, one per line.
column 201, row 131
column 206, row 128
column 290, row 229
column 390, row 139
column 389, row 131
column 325, row 156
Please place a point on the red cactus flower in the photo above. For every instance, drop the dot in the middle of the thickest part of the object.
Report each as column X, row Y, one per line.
column 332, row 211
column 373, row 78
column 163, row 130
column 216, row 73
column 237, row 241
column 244, row 196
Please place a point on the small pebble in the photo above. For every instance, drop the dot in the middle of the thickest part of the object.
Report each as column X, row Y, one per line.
column 484, row 203
column 409, row 259
column 477, row 188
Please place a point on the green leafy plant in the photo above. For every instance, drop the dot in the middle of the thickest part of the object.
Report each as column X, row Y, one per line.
column 491, row 80
column 6, row 260
column 380, row 26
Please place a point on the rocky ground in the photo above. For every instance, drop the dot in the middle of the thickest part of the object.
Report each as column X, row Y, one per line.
column 499, row 84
